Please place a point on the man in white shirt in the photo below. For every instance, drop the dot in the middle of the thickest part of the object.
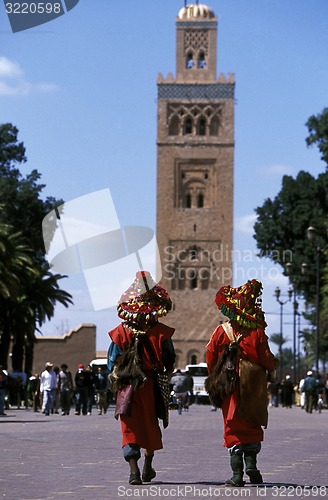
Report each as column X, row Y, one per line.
column 48, row 384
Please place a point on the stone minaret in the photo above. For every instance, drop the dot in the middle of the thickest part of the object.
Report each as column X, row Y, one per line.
column 195, row 148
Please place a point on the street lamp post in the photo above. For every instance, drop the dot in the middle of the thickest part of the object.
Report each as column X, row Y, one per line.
column 312, row 236
column 289, row 271
column 282, row 303
column 295, row 313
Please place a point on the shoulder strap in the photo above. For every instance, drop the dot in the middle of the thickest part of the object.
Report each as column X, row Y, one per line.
column 231, row 333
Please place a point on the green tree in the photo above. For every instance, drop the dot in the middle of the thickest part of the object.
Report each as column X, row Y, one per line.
column 318, row 133
column 28, row 291
column 30, row 310
column 14, row 258
column 278, row 340
column 280, row 229
column 324, row 320
column 281, row 226
column 15, row 267
column 22, row 205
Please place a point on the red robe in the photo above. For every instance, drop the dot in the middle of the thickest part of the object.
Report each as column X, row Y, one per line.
column 255, row 348
column 142, row 426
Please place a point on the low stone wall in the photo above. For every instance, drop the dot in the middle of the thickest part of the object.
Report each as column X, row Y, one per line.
column 75, row 347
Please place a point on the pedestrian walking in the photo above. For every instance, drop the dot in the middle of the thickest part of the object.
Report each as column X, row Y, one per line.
column 3, row 390
column 287, row 392
column 320, row 403
column 65, row 388
column 181, row 385
column 101, row 384
column 302, row 393
column 34, row 390
column 309, row 388
column 273, row 389
column 82, row 383
column 56, row 404
column 149, row 341
column 91, row 389
column 48, row 385
column 238, row 354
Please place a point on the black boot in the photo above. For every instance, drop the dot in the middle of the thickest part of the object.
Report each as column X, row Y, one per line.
column 134, row 472
column 148, row 473
column 236, row 463
column 251, row 469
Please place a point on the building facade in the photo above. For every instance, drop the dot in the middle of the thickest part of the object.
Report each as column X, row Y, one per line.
column 75, row 347
column 195, row 156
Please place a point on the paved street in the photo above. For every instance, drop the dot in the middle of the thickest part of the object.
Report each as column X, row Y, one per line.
column 79, row 457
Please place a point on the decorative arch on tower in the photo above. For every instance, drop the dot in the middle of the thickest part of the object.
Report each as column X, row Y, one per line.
column 190, row 62
column 193, row 193
column 194, row 119
column 191, row 269
column 196, row 43
column 188, row 125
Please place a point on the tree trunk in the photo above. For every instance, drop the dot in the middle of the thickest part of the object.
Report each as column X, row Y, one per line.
column 17, row 356
column 29, row 351
column 4, row 343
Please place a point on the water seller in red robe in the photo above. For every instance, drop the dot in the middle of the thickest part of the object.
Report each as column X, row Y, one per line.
column 245, row 409
column 140, row 307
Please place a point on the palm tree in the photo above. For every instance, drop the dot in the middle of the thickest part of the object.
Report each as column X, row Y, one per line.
column 279, row 340
column 44, row 294
column 15, row 256
column 15, row 261
column 28, row 295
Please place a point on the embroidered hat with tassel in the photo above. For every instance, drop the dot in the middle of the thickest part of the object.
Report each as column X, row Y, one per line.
column 144, row 301
column 242, row 304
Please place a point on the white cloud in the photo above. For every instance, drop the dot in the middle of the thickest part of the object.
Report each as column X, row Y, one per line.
column 9, row 69
column 277, row 170
column 13, row 80
column 245, row 224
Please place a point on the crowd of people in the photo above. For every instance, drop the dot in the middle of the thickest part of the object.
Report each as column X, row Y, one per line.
column 310, row 394
column 56, row 390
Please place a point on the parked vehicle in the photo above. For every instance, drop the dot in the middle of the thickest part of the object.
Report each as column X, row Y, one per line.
column 199, row 373
column 102, row 362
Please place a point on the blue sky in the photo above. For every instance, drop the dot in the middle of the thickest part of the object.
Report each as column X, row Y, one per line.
column 82, row 92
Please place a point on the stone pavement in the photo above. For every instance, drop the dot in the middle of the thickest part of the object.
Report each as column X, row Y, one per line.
column 79, row 457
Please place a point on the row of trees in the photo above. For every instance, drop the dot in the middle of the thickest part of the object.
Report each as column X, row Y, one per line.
column 28, row 290
column 282, row 225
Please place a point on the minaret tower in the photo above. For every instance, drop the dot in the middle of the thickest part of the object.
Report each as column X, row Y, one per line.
column 195, row 148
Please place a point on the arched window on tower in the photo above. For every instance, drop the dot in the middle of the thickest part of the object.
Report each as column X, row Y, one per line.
column 181, row 278
column 194, row 280
column 188, row 200
column 205, row 279
column 187, row 126
column 174, row 126
column 201, row 126
column 190, row 60
column 200, row 200
column 201, row 61
column 214, row 126
column 193, row 253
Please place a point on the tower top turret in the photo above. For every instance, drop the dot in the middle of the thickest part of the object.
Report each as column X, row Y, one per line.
column 195, row 11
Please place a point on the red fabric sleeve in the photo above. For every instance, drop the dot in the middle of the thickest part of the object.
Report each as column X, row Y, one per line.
column 215, row 346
